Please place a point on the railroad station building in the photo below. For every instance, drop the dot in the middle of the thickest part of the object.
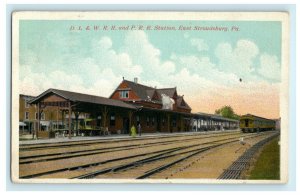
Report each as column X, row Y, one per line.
column 131, row 103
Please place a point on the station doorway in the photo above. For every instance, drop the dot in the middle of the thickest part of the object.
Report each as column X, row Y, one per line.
column 126, row 125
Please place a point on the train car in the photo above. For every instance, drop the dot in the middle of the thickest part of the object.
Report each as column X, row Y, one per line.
column 89, row 127
column 250, row 123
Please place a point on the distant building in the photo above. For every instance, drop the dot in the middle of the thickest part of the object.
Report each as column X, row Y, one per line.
column 27, row 114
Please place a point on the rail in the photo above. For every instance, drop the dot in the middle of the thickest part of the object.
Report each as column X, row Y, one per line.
column 62, row 155
column 243, row 162
column 134, row 164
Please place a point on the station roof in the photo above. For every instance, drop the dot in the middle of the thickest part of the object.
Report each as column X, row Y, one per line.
column 85, row 98
column 164, row 110
column 80, row 97
column 181, row 103
column 139, row 89
column 145, row 93
column 223, row 118
column 168, row 91
column 195, row 115
column 216, row 117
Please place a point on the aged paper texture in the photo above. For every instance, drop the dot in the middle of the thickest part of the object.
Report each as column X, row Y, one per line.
column 150, row 97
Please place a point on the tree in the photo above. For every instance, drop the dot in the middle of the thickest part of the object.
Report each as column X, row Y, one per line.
column 227, row 112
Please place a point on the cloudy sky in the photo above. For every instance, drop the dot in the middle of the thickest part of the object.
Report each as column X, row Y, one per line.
column 205, row 66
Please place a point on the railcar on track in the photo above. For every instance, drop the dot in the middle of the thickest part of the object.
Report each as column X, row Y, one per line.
column 250, row 123
column 91, row 127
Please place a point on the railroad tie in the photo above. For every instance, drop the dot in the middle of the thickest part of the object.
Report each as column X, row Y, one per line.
column 235, row 169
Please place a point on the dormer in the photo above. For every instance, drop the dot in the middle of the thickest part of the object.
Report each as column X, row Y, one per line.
column 124, row 94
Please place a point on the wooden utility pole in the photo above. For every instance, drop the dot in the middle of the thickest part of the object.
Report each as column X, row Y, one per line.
column 70, row 119
column 181, row 123
column 39, row 120
column 76, row 118
column 63, row 118
column 168, row 121
column 130, row 113
column 104, row 113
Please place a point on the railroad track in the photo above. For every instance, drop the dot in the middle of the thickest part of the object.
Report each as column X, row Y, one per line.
column 146, row 171
column 25, row 159
column 130, row 162
column 145, row 161
column 111, row 160
column 162, row 162
column 243, row 162
column 42, row 146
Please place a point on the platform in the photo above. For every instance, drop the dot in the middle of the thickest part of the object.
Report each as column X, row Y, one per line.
column 122, row 136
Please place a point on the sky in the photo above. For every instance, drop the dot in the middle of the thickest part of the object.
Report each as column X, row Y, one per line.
column 238, row 65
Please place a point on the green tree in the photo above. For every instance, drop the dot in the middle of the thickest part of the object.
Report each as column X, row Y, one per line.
column 227, row 112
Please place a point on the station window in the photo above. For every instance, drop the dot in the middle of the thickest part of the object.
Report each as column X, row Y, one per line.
column 148, row 121
column 112, row 121
column 26, row 115
column 124, row 94
column 153, row 121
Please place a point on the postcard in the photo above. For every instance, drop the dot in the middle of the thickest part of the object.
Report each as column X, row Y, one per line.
column 150, row 97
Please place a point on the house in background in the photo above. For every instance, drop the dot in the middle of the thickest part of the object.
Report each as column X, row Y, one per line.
column 27, row 114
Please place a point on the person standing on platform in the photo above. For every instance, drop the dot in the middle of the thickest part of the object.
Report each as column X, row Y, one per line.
column 140, row 129
column 133, row 131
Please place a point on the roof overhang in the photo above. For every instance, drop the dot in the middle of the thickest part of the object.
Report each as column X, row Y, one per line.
column 36, row 99
column 83, row 99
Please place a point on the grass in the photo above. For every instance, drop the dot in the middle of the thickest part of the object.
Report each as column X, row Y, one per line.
column 267, row 166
